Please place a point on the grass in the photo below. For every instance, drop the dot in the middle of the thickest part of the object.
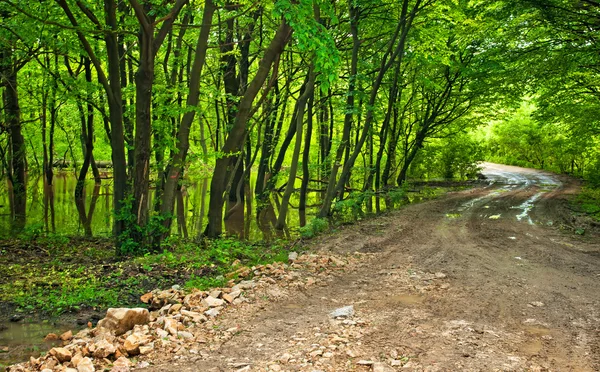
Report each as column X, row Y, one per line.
column 72, row 275
column 588, row 202
column 53, row 274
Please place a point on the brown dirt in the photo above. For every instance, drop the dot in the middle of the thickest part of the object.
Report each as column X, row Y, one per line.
column 445, row 288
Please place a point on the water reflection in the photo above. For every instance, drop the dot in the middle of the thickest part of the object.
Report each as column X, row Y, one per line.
column 53, row 209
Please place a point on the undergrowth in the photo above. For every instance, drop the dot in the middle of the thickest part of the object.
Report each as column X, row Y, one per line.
column 68, row 277
column 588, row 201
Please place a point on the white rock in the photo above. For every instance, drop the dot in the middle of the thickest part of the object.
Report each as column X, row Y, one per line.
column 381, row 367
column 86, row 365
column 185, row 335
column 212, row 312
column 121, row 365
column 292, row 256
column 210, row 301
column 346, row 311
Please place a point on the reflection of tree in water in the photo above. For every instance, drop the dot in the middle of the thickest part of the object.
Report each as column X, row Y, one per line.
column 86, row 218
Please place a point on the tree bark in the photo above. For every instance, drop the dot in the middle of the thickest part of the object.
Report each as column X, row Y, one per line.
column 183, row 137
column 238, row 131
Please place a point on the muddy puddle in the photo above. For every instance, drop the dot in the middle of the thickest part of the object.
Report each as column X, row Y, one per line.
column 19, row 341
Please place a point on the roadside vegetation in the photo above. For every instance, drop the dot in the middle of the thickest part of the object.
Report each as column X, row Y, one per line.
column 145, row 143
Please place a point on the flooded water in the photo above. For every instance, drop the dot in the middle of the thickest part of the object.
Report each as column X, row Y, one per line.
column 52, row 209
column 19, row 341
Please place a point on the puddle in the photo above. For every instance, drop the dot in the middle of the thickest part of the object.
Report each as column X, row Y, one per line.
column 406, row 299
column 19, row 341
column 527, row 206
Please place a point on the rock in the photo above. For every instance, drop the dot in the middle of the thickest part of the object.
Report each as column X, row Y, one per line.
column 171, row 326
column 62, row 354
column 194, row 316
column 133, row 342
column 246, row 284
column 142, row 364
column 346, row 312
column 121, row 365
column 285, row 358
column 381, row 367
column 212, row 312
column 86, row 365
column 365, row 362
column 216, row 293
column 230, row 297
column 46, row 370
column 175, row 308
column 51, row 337
column 121, row 320
column 66, row 336
column 76, row 359
column 161, row 333
column 440, row 275
column 147, row 297
column 176, row 287
column 537, row 304
column 146, row 348
column 210, row 301
column 16, row 318
column 185, row 335
column 103, row 349
column 292, row 256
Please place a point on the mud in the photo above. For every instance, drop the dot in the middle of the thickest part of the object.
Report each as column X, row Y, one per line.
column 465, row 292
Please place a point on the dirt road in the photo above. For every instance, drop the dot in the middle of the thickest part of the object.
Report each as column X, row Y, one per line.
column 483, row 279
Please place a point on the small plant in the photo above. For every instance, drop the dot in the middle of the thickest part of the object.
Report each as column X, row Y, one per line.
column 313, row 228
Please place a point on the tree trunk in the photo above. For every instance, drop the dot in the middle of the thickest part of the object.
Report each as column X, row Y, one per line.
column 236, row 136
column 305, row 161
column 183, row 137
column 302, row 100
column 18, row 162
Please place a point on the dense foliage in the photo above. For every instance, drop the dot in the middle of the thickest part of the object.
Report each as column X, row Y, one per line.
column 343, row 99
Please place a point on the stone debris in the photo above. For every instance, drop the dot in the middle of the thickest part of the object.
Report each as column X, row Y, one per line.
column 343, row 312
column 179, row 322
column 121, row 320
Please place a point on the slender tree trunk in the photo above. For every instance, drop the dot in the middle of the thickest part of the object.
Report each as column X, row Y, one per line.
column 330, row 192
column 183, row 137
column 237, row 134
column 404, row 26
column 305, row 161
column 302, row 100
column 18, row 162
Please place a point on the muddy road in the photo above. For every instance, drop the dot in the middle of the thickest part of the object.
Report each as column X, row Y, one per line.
column 492, row 278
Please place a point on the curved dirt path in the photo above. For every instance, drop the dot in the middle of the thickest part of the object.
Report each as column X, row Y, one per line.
column 480, row 280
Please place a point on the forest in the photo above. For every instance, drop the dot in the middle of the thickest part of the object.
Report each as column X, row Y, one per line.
column 141, row 120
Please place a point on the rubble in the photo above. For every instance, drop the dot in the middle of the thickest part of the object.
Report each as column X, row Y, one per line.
column 121, row 320
column 180, row 321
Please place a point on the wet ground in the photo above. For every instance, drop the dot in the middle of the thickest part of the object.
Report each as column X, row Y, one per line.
column 20, row 340
column 493, row 278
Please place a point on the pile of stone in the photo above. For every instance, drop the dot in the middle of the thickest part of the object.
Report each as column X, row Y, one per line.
column 173, row 320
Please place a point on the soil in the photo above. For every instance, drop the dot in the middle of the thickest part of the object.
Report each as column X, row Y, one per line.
column 492, row 278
